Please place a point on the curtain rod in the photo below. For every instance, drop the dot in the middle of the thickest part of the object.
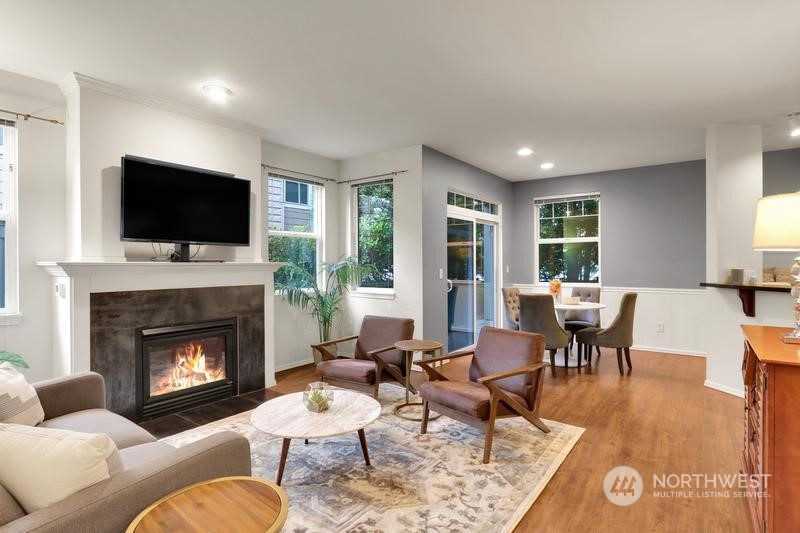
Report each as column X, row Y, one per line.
column 26, row 116
column 393, row 173
column 266, row 165
column 331, row 180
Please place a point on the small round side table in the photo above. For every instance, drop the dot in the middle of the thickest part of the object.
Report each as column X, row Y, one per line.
column 235, row 503
column 407, row 348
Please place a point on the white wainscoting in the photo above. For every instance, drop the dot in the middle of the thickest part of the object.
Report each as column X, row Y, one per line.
column 679, row 310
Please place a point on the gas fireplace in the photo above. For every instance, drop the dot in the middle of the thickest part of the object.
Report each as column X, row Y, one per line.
column 182, row 366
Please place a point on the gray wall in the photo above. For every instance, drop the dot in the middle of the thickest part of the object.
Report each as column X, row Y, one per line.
column 781, row 175
column 652, row 224
column 781, row 171
column 441, row 173
column 653, row 221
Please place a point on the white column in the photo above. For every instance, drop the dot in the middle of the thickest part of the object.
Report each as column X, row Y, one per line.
column 69, row 86
column 93, row 191
column 733, row 185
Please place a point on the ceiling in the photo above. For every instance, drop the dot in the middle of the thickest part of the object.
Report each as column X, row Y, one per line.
column 588, row 85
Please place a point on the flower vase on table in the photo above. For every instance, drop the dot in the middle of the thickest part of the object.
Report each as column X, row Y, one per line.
column 555, row 290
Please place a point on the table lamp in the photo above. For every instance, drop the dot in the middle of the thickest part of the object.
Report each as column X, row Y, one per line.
column 777, row 229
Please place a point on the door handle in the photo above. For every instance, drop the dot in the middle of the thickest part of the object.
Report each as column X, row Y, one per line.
column 449, row 285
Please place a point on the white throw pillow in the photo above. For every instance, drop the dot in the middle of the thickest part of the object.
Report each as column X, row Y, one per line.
column 41, row 466
column 19, row 403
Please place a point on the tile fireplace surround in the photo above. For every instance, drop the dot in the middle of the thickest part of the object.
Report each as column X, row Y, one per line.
column 190, row 288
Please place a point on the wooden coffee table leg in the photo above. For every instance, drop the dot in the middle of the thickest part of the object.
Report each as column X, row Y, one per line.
column 284, row 453
column 363, row 439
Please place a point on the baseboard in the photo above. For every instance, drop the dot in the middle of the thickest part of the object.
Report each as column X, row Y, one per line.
column 668, row 351
column 294, row 364
column 724, row 388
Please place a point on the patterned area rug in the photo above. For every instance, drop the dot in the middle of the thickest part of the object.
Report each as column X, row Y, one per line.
column 434, row 482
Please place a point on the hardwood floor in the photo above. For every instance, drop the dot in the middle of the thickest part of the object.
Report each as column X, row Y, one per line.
column 658, row 419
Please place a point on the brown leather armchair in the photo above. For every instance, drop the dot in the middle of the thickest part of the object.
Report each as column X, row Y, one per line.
column 537, row 314
column 375, row 360
column 618, row 335
column 506, row 376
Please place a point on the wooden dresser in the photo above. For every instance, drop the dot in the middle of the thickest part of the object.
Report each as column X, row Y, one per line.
column 771, row 370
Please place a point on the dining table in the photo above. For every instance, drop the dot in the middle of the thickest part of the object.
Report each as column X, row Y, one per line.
column 562, row 308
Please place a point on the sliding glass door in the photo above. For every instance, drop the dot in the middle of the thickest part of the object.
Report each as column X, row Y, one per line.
column 471, row 276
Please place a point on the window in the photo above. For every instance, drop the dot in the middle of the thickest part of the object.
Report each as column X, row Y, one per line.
column 294, row 226
column 568, row 238
column 467, row 202
column 374, row 233
column 295, row 193
column 8, row 206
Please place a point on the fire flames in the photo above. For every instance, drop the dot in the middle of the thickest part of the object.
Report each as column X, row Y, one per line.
column 190, row 369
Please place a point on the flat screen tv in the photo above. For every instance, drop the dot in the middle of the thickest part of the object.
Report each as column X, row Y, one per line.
column 165, row 202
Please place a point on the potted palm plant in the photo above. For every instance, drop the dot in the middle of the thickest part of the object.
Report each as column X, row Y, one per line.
column 300, row 288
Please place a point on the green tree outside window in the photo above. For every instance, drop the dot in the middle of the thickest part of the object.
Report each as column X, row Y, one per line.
column 569, row 240
column 376, row 233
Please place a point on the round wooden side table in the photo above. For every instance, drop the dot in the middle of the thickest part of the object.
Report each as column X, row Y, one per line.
column 236, row 504
column 430, row 348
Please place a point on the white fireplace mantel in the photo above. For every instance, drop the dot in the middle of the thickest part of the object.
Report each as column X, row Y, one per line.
column 74, row 281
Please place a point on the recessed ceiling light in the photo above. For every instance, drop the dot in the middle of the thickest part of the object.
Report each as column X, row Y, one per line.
column 795, row 132
column 546, row 165
column 216, row 92
column 524, row 152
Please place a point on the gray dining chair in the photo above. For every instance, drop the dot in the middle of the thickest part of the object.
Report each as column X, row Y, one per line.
column 576, row 320
column 618, row 335
column 511, row 301
column 537, row 314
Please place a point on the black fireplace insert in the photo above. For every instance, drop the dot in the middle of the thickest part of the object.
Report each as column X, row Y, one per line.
column 185, row 365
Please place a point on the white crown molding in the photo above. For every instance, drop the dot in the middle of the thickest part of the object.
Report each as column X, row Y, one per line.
column 77, row 80
column 69, row 84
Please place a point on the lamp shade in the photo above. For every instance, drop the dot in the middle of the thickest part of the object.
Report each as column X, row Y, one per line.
column 777, row 225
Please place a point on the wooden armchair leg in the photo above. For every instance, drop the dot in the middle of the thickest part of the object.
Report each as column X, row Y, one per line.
column 553, row 363
column 487, row 445
column 426, row 410
column 628, row 357
column 619, row 361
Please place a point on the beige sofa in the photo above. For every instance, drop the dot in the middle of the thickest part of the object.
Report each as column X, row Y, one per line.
column 150, row 469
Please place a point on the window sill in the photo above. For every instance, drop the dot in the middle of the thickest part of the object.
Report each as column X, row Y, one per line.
column 375, row 294
column 10, row 319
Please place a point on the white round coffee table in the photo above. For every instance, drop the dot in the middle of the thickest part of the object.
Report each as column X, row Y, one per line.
column 287, row 417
